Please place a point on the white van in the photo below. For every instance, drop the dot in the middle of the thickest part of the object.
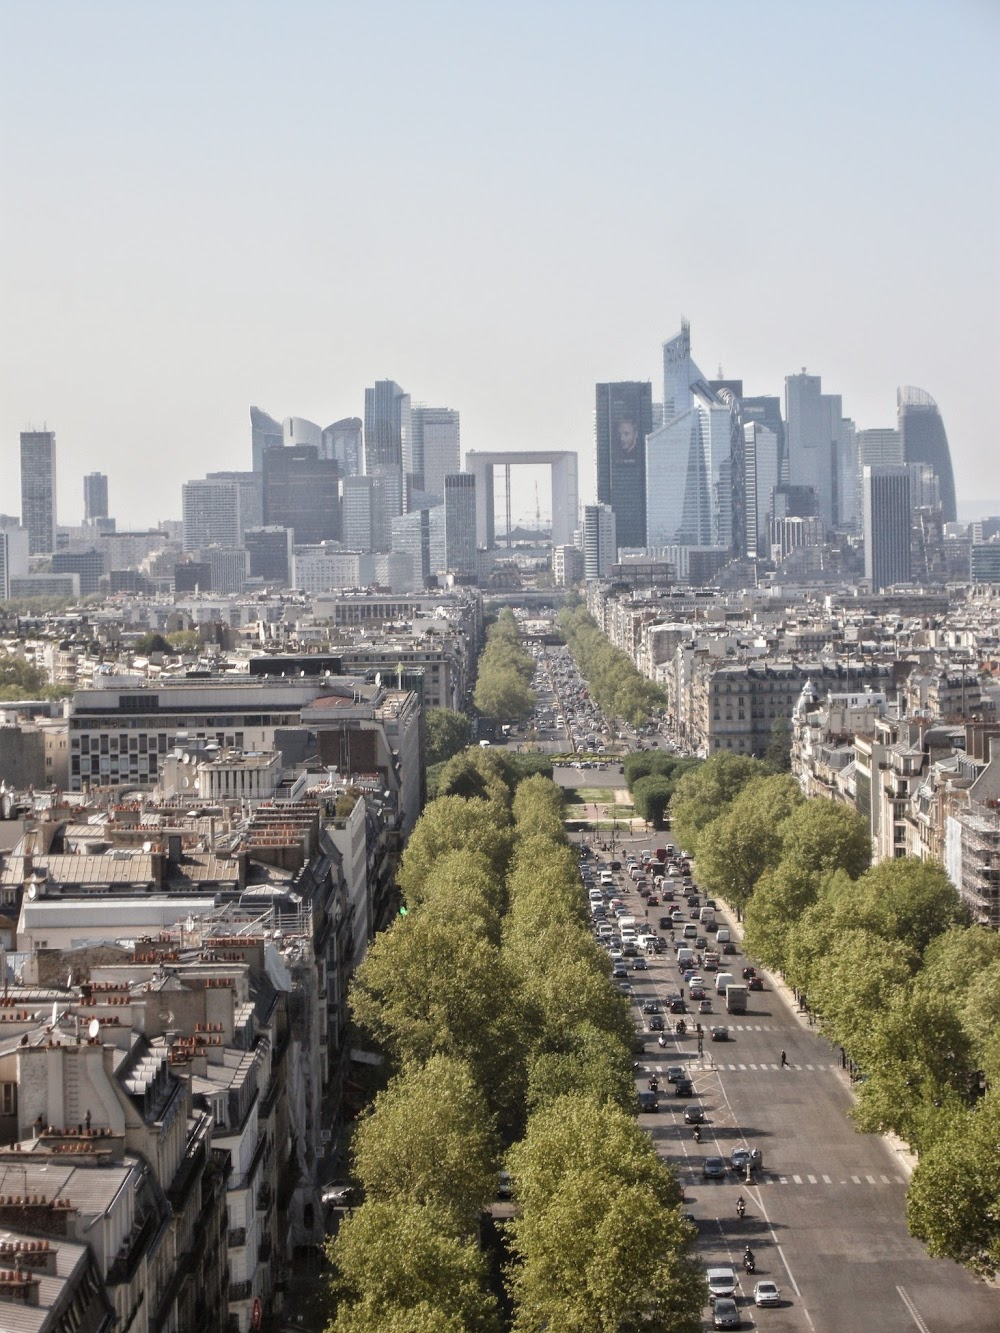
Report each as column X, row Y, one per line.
column 723, row 935
column 685, row 959
column 722, row 980
column 626, row 923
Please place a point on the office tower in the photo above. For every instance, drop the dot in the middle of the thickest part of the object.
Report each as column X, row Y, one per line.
column 422, row 535
column 925, row 441
column 788, row 534
column 299, row 430
column 766, row 409
column 265, row 433
column 846, row 505
column 211, row 514
column 762, row 461
column 342, row 443
column 95, row 496
column 358, row 513
column 925, row 486
column 192, row 576
column 880, row 447
column 689, row 472
column 733, row 475
column 600, row 542
column 90, row 565
column 228, row 566
column 251, row 488
column 38, row 489
column 460, row 523
column 793, row 502
column 567, row 565
column 624, row 420
column 269, row 551
column 984, row 562
column 302, row 492
column 387, row 428
column 819, row 446
column 436, row 447
column 13, row 554
column 887, row 524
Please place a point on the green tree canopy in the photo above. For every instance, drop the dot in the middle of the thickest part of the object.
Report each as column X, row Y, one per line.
column 705, row 792
column 651, row 796
column 447, row 732
column 822, row 836
column 735, row 849
column 450, row 823
column 909, row 901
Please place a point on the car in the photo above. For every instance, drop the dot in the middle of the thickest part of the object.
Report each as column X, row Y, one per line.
column 648, row 1101
column 639, row 964
column 656, row 1023
column 665, row 922
column 694, row 1115
column 674, row 1072
column 683, row 1087
column 755, row 983
column 713, row 1168
column 719, row 1034
column 338, row 1196
column 726, row 1313
column 619, row 970
column 749, row 972
column 625, row 987
column 766, row 1293
column 740, row 1159
column 700, row 942
column 705, row 1006
column 697, row 992
column 721, row 1282
column 504, row 1187
column 678, row 1007
column 652, row 900
column 729, row 947
column 650, row 1006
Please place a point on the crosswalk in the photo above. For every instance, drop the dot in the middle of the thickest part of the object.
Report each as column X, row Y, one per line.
column 718, row 1066
column 770, row 1178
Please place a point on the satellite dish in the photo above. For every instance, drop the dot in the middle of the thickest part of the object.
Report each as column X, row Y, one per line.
column 378, row 677
column 55, row 1012
column 94, row 1030
column 147, row 846
column 189, row 924
column 32, row 891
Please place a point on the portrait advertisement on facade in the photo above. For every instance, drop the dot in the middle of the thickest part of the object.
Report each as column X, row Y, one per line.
column 627, row 437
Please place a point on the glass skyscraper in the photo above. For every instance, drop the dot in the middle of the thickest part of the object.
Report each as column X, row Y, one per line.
column 925, row 441
column 623, row 422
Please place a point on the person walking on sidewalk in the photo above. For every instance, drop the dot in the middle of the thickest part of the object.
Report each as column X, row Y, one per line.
column 784, row 1060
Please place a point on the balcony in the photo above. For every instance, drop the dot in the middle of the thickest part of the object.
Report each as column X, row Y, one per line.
column 240, row 1291
column 237, row 1237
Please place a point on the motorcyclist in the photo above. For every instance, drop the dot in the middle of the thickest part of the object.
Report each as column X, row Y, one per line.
column 740, row 1207
column 749, row 1262
column 654, row 1084
column 697, row 1133
column 661, row 1040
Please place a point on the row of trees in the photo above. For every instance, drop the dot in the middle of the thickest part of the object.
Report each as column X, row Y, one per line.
column 614, row 682
column 890, row 963
column 505, row 670
column 494, row 1006
column 20, row 680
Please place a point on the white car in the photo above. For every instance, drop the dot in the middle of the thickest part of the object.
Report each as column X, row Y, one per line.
column 767, row 1293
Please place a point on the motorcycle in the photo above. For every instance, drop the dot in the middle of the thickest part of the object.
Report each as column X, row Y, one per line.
column 740, row 1207
column 680, row 1027
column 654, row 1084
column 749, row 1262
column 661, row 1040
column 697, row 1133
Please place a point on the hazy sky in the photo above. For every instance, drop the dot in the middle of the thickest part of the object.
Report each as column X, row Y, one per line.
column 207, row 205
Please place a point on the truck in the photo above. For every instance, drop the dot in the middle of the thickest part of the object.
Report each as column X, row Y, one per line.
column 736, row 999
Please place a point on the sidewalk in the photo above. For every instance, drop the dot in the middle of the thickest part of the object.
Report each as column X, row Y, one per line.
column 901, row 1151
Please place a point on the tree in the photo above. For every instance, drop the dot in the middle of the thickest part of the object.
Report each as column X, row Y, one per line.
column 590, row 1062
column 735, row 849
column 822, row 836
column 853, row 981
column 400, row 1266
column 430, row 1141
column 151, row 642
column 907, row 900
column 538, row 808
column 447, row 732
column 704, row 792
column 651, row 796
column 501, row 693
column 953, row 1203
column 779, row 899
column 778, row 754
column 450, row 823
column 474, row 774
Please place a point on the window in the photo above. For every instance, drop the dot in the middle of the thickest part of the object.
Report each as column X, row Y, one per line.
column 8, row 1099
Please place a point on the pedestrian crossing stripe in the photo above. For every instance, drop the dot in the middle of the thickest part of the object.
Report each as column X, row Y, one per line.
column 769, row 1178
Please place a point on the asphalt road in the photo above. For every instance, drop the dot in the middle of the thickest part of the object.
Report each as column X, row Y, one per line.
column 826, row 1213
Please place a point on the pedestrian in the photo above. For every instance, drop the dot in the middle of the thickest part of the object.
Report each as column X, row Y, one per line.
column 784, row 1060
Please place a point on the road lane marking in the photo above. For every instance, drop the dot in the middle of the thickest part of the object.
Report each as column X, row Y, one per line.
column 871, row 1180
column 827, row 1180
column 797, row 1179
column 913, row 1310
column 856, row 1179
column 886, row 1180
column 812, row 1180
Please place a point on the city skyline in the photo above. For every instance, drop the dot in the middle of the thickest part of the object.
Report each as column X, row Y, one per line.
column 144, row 316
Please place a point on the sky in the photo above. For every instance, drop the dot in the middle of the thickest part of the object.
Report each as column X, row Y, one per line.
column 210, row 204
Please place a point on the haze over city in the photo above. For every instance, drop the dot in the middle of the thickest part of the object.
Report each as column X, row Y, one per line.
column 209, row 207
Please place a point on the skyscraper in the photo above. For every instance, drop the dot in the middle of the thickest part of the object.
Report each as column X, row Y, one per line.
column 600, row 542
column 95, row 496
column 212, row 514
column 38, row 489
column 436, row 448
column 460, row 523
column 387, row 427
column 925, row 441
column 689, row 468
column 762, row 462
column 265, row 433
column 624, row 420
column 302, row 492
column 342, row 442
column 820, row 445
column 886, row 502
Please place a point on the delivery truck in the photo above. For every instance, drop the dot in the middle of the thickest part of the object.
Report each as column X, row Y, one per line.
column 736, row 999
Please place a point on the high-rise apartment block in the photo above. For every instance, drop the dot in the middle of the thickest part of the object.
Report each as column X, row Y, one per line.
column 436, row 447
column 887, row 523
column 95, row 496
column 624, row 420
column 38, row 489
column 925, row 441
column 460, row 523
column 600, row 541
